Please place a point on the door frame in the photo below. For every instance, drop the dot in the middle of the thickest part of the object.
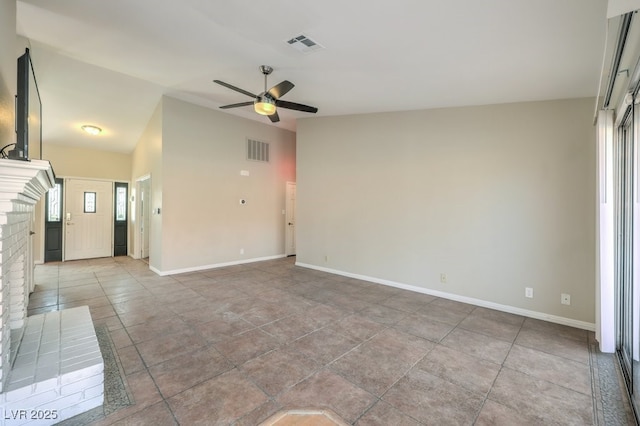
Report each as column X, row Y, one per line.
column 290, row 223
column 135, row 215
column 59, row 181
column 626, row 256
column 120, row 224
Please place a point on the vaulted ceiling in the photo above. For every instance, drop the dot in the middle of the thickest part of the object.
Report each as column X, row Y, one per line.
column 108, row 62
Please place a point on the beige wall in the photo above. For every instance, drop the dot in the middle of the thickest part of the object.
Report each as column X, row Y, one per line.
column 7, row 71
column 203, row 152
column 70, row 161
column 146, row 160
column 497, row 197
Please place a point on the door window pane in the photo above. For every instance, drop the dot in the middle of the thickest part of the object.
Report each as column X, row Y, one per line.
column 121, row 203
column 89, row 202
column 54, row 205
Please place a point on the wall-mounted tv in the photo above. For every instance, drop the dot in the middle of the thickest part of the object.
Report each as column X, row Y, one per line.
column 28, row 112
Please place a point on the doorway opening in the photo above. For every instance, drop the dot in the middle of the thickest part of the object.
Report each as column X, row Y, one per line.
column 142, row 217
column 290, row 220
column 85, row 219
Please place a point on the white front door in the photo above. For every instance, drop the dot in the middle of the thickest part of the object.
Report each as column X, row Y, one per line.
column 88, row 219
column 290, row 217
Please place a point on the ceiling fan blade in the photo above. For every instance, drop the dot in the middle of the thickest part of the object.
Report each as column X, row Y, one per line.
column 281, row 89
column 274, row 117
column 297, row 107
column 237, row 89
column 241, row 104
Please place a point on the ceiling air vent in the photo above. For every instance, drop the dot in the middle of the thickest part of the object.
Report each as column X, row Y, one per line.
column 304, row 44
column 257, row 151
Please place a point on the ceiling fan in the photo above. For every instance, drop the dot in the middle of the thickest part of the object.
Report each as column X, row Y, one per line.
column 267, row 102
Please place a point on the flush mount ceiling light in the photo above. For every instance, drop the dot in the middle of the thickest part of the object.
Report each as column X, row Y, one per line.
column 92, row 130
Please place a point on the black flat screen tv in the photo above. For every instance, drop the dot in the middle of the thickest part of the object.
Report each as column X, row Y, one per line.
column 28, row 112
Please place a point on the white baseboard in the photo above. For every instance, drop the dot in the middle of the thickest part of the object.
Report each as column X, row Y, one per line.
column 215, row 265
column 477, row 302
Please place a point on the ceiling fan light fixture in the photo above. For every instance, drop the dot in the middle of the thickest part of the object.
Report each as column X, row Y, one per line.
column 265, row 106
column 92, row 130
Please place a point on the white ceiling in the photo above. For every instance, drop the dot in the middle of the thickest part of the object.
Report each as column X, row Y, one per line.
column 109, row 62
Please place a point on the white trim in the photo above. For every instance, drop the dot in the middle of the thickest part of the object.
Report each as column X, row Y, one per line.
column 136, row 241
column 477, row 302
column 215, row 265
column 605, row 235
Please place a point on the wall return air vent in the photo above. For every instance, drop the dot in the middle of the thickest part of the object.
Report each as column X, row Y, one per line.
column 257, row 151
column 304, row 44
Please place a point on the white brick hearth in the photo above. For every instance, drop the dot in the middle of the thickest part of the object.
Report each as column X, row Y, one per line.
column 58, row 370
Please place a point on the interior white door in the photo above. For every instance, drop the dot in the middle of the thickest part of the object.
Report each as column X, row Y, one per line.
column 88, row 219
column 290, row 217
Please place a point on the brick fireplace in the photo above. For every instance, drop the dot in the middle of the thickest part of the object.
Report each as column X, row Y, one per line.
column 51, row 367
column 22, row 184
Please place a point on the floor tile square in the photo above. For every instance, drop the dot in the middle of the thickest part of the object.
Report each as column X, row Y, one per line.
column 479, row 345
column 325, row 389
column 164, row 348
column 324, row 345
column 383, row 414
column 432, row 400
column 240, row 349
column 221, row 326
column 536, row 398
column 442, row 314
column 494, row 414
column 220, row 400
column 424, row 327
column 357, row 327
column 561, row 371
column 554, row 344
column 291, row 328
column 185, row 371
column 380, row 362
column 491, row 327
column 471, row 373
column 408, row 302
column 278, row 370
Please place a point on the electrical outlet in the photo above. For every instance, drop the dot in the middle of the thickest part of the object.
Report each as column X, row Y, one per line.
column 443, row 278
column 565, row 299
column 241, row 251
column 528, row 292
column 326, row 258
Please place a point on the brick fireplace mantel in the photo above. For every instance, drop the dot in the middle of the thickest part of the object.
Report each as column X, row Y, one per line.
column 25, row 181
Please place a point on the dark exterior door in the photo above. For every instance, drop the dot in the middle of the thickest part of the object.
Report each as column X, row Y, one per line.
column 53, row 223
column 120, row 228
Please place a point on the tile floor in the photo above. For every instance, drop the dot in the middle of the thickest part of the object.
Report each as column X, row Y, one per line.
column 235, row 345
